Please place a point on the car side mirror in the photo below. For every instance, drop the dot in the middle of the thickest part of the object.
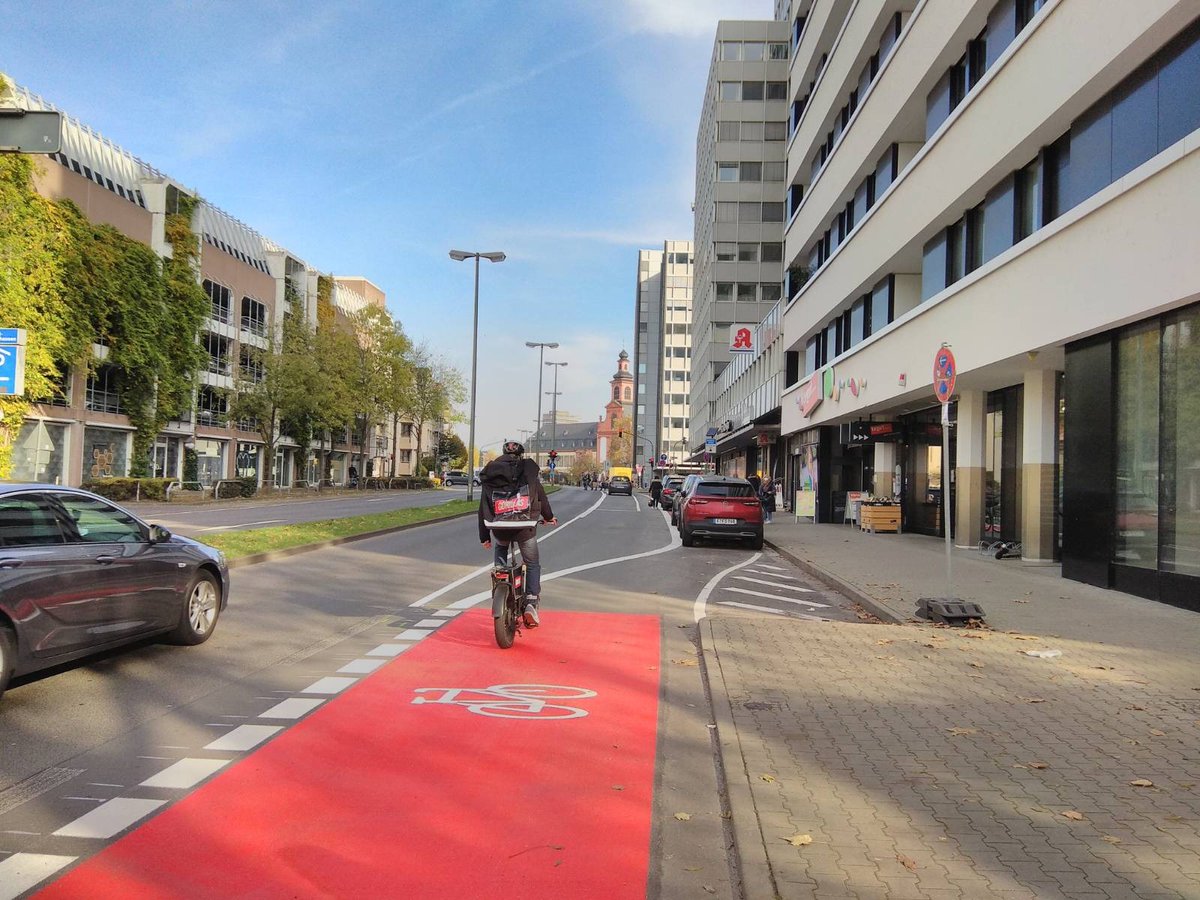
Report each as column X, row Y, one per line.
column 159, row 535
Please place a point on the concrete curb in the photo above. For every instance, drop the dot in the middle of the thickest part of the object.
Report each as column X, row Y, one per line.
column 755, row 879
column 271, row 555
column 868, row 602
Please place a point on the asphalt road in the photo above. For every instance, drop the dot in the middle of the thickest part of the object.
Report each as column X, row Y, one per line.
column 73, row 739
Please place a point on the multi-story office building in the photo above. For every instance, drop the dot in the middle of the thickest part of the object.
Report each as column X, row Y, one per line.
column 662, row 352
column 739, row 203
column 1012, row 178
column 83, row 432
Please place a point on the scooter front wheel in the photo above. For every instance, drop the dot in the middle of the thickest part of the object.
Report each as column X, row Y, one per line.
column 503, row 617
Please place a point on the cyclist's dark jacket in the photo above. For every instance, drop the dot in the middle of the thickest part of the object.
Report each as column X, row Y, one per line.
column 504, row 474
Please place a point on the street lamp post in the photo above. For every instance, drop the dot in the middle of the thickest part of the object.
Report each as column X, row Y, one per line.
column 541, row 360
column 554, row 407
column 459, row 256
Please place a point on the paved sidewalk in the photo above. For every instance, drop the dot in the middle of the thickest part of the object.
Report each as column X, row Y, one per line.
column 927, row 762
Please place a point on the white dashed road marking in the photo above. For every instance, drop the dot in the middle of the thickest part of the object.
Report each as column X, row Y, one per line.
column 430, row 623
column 292, row 708
column 412, row 634
column 244, row 737
column 109, row 818
column 186, row 773
column 388, row 650
column 361, row 666
column 329, row 685
column 21, row 871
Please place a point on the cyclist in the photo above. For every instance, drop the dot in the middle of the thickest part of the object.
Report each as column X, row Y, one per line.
column 507, row 474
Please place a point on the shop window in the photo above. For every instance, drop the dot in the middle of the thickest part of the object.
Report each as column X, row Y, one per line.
column 1137, row 440
column 1181, row 444
column 105, row 453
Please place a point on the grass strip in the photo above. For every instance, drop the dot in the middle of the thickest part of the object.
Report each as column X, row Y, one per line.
column 236, row 544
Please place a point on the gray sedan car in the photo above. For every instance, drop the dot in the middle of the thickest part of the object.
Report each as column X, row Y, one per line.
column 80, row 575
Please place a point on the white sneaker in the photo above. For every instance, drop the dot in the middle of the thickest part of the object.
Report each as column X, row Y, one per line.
column 531, row 616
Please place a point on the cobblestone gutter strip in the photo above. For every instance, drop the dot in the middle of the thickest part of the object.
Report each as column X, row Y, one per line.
column 869, row 603
column 272, row 555
column 752, row 876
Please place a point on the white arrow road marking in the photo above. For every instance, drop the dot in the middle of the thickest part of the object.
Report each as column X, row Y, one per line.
column 767, row 609
column 784, row 587
column 809, row 603
column 698, row 612
column 772, row 568
column 452, row 585
column 772, row 574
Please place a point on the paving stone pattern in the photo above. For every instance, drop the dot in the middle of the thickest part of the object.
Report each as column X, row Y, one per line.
column 907, row 753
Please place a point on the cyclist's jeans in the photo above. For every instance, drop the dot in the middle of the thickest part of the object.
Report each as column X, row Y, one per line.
column 533, row 566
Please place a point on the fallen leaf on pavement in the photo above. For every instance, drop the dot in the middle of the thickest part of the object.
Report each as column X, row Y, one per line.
column 1136, row 708
column 976, row 635
column 709, row 888
column 1033, row 699
column 682, row 817
column 973, row 675
column 556, row 846
column 799, row 840
column 1105, row 668
column 1174, row 818
column 1020, row 601
column 1157, row 733
column 693, row 868
column 1019, row 766
column 769, row 779
column 618, row 787
column 1108, row 838
column 1038, row 765
column 1142, row 782
column 932, row 646
column 1025, row 637
column 976, row 665
column 885, row 641
column 686, row 662
column 1073, row 815
column 908, row 863
column 960, row 731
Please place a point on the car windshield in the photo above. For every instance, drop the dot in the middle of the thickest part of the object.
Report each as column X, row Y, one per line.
column 723, row 489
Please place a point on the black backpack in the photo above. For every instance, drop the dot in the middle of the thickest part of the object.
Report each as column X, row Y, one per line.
column 517, row 506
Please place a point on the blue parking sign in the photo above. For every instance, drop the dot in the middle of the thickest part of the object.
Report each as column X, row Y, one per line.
column 12, row 361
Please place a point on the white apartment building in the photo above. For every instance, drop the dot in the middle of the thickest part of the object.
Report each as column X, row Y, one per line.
column 1018, row 180
column 662, row 352
column 739, row 206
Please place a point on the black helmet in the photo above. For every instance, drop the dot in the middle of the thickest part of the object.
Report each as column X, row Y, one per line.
column 514, row 448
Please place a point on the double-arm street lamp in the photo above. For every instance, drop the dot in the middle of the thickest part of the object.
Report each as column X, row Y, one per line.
column 541, row 358
column 554, row 407
column 459, row 256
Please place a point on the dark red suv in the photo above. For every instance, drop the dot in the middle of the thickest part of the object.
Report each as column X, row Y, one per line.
column 721, row 507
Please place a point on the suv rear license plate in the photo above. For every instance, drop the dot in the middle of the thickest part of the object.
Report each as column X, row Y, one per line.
column 725, row 521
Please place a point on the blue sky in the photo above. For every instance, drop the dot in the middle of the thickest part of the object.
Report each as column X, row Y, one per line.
column 371, row 137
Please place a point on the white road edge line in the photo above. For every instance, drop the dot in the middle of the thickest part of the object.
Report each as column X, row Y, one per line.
column 698, row 612
column 676, row 543
column 767, row 609
column 241, row 525
column 109, row 818
column 452, row 585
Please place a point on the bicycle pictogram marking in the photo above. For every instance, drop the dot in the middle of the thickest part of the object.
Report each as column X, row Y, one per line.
column 512, row 701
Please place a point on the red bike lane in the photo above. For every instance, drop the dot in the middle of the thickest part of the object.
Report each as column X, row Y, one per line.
column 457, row 770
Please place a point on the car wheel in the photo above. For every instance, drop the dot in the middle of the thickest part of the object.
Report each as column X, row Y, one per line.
column 686, row 536
column 674, row 519
column 756, row 543
column 8, row 656
column 201, row 607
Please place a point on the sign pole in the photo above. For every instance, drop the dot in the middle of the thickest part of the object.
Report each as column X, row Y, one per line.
column 945, row 373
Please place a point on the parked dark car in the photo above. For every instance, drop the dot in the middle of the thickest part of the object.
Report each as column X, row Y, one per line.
column 677, row 499
column 619, row 484
column 671, row 484
column 79, row 574
column 721, row 507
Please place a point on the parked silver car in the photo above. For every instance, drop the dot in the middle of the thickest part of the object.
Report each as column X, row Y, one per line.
column 79, row 575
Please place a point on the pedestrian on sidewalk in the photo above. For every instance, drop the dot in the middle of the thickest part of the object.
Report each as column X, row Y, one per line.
column 767, row 496
column 656, row 487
